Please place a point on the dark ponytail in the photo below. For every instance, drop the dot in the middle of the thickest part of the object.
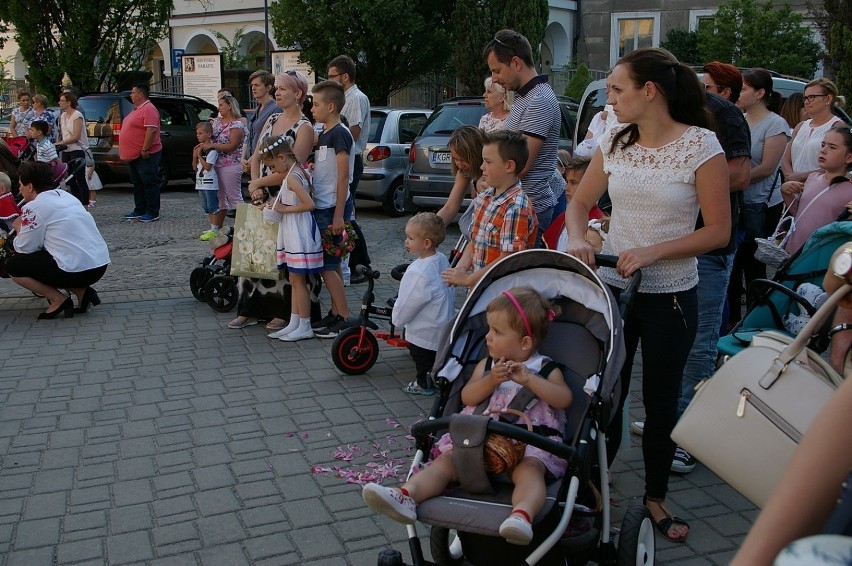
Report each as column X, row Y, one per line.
column 677, row 83
column 761, row 79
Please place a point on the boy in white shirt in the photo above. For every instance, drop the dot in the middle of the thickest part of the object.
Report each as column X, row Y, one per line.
column 425, row 303
column 206, row 181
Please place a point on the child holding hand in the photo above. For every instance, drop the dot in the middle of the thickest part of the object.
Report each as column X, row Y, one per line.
column 299, row 249
column 517, row 321
column 206, row 180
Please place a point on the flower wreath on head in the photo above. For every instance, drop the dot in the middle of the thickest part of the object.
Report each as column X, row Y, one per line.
column 346, row 245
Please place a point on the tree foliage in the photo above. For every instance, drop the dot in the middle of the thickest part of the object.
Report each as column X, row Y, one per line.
column 683, row 44
column 476, row 21
column 94, row 42
column 841, row 47
column 392, row 41
column 231, row 56
column 833, row 18
column 578, row 83
column 747, row 33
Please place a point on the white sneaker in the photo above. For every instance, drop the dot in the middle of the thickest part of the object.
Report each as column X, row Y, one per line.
column 390, row 502
column 298, row 334
column 637, row 427
column 516, row 530
column 279, row 334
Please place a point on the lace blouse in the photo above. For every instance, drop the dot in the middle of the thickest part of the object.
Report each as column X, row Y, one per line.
column 653, row 201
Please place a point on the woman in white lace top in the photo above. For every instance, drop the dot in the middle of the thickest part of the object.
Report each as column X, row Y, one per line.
column 659, row 168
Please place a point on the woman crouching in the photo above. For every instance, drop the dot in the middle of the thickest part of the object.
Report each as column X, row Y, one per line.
column 53, row 219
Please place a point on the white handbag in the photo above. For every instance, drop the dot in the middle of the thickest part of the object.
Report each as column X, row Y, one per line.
column 745, row 422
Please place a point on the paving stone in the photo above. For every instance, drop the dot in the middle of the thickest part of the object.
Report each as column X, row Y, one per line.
column 132, row 492
column 267, row 546
column 30, row 557
column 224, row 555
column 213, row 476
column 71, row 552
column 216, row 501
column 129, row 518
column 316, row 542
column 84, row 521
column 47, row 505
column 220, row 529
column 36, row 533
column 130, row 547
column 174, row 533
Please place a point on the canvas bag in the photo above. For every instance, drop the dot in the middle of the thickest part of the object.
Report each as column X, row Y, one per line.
column 254, row 245
column 745, row 422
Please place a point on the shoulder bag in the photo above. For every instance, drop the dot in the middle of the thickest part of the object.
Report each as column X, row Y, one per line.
column 745, row 422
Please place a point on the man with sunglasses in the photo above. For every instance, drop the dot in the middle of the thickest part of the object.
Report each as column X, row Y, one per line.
column 535, row 113
column 262, row 85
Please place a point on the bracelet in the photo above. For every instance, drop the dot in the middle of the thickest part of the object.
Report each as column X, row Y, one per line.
column 839, row 328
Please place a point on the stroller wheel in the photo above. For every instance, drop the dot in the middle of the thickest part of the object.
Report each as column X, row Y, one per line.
column 442, row 554
column 636, row 545
column 197, row 280
column 221, row 293
column 351, row 359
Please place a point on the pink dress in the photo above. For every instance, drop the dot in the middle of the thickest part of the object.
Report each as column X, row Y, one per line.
column 540, row 414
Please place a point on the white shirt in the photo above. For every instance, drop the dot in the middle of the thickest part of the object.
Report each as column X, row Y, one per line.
column 207, row 179
column 425, row 304
column 55, row 221
column 806, row 145
column 357, row 112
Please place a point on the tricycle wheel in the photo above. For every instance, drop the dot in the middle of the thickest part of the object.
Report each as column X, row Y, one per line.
column 197, row 280
column 636, row 544
column 221, row 293
column 352, row 358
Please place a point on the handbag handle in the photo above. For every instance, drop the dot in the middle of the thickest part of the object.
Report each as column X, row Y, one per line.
column 791, row 352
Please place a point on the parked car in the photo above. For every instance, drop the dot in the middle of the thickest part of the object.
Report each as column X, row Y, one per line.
column 392, row 130
column 428, row 180
column 179, row 113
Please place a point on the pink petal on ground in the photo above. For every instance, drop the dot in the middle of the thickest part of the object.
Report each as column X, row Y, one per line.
column 289, row 434
column 320, row 469
column 305, row 435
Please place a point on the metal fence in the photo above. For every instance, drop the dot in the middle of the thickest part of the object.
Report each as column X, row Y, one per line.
column 9, row 90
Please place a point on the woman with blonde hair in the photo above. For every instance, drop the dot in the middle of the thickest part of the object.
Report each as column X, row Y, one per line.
column 466, row 150
column 800, row 157
column 498, row 101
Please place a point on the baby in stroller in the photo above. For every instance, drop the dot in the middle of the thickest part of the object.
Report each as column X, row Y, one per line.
column 518, row 320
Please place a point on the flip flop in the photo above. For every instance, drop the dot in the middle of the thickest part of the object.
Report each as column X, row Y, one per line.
column 272, row 325
column 664, row 524
column 236, row 324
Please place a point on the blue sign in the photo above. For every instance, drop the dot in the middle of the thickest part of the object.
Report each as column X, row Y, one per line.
column 177, row 55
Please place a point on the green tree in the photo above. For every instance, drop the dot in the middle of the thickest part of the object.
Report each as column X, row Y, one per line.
column 231, row 57
column 476, row 21
column 94, row 42
column 751, row 34
column 683, row 44
column 833, row 18
column 392, row 41
column 841, row 47
column 578, row 83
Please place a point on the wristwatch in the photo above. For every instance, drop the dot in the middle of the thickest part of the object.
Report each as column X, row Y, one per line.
column 843, row 264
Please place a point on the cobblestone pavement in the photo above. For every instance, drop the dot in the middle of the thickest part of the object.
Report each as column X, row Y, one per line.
column 145, row 432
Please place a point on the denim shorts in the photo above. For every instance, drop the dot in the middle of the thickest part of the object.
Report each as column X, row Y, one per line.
column 209, row 201
column 324, row 217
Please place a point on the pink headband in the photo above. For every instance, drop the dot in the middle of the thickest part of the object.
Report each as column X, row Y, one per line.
column 520, row 312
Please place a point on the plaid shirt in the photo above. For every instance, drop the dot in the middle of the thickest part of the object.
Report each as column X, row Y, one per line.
column 502, row 223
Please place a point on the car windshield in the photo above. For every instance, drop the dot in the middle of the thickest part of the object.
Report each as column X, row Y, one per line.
column 377, row 123
column 593, row 104
column 105, row 110
column 448, row 118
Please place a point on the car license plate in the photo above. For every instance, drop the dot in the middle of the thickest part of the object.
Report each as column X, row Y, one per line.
column 441, row 157
column 94, row 142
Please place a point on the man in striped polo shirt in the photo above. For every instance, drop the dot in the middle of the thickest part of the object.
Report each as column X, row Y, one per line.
column 535, row 113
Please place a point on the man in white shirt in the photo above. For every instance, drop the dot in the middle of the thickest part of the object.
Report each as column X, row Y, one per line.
column 356, row 111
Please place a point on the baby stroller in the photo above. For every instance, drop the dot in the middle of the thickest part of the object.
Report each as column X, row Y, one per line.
column 212, row 282
column 771, row 300
column 586, row 337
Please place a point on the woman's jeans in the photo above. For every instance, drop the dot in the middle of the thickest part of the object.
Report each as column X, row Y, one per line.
column 665, row 323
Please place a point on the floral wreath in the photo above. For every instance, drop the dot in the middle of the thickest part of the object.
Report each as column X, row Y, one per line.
column 346, row 245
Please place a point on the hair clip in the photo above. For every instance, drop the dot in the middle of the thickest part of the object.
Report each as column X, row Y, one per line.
column 551, row 314
column 281, row 139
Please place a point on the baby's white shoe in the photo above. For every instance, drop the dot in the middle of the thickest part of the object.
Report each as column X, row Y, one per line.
column 516, row 530
column 390, row 502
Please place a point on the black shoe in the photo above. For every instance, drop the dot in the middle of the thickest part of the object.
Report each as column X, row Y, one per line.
column 683, row 462
column 333, row 329
column 66, row 308
column 324, row 321
column 90, row 297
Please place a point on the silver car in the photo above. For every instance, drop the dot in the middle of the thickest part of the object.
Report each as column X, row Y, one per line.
column 386, row 156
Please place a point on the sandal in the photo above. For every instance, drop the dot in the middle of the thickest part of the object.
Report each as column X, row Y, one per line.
column 663, row 525
column 241, row 322
column 276, row 324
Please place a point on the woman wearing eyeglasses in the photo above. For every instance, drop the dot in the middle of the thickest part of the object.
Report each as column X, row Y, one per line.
column 800, row 157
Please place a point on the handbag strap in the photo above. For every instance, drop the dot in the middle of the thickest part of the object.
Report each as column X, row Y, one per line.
column 791, row 352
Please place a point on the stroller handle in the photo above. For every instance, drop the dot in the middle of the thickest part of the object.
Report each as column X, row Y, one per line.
column 629, row 293
column 423, row 428
column 367, row 271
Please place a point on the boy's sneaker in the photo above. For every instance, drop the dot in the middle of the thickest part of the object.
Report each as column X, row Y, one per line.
column 148, row 218
column 208, row 235
column 415, row 389
column 324, row 321
column 390, row 502
column 516, row 530
column 131, row 216
column 333, row 329
column 637, row 427
column 683, row 462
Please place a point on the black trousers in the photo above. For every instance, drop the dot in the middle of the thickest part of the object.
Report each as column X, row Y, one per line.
column 77, row 186
column 42, row 267
column 424, row 360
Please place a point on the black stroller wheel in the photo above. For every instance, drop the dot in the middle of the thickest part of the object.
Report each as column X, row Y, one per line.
column 221, row 293
column 636, row 544
column 197, row 280
column 348, row 357
column 439, row 542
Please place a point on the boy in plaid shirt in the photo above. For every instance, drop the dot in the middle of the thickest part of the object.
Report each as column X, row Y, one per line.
column 504, row 221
